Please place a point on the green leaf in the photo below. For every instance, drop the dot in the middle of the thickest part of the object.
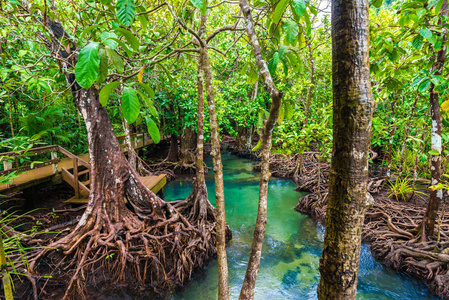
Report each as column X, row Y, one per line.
column 87, row 67
column 434, row 152
column 417, row 42
column 107, row 36
column 106, row 91
column 279, row 10
column 130, row 38
column 377, row 3
column 424, row 86
column 425, row 33
column 124, row 46
column 103, row 69
column 289, row 111
column 126, row 12
column 438, row 7
column 88, row 29
column 116, row 60
column 152, row 129
column 201, row 5
column 281, row 115
column 272, row 65
column 15, row 2
column 259, row 143
column 143, row 18
column 299, row 6
column 282, row 51
column 147, row 89
column 252, row 78
column 291, row 30
column 130, row 105
column 148, row 103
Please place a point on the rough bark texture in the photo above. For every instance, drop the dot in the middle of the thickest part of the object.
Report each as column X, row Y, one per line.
column 188, row 144
column 353, row 108
column 173, row 155
column 435, row 162
column 249, row 282
column 132, row 155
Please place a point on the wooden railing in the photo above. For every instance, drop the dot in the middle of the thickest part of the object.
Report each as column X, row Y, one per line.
column 10, row 158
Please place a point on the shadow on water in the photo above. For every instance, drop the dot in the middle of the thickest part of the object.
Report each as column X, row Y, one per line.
column 292, row 245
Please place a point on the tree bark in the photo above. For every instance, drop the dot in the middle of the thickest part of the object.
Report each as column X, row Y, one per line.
column 132, row 155
column 249, row 283
column 223, row 283
column 353, row 106
column 436, row 196
column 173, row 155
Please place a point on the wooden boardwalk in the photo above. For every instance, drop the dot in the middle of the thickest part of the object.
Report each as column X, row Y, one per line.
column 56, row 170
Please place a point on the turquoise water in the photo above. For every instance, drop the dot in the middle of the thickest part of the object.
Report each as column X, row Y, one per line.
column 292, row 245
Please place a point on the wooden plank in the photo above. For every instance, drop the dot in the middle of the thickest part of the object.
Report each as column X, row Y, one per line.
column 74, row 200
column 154, row 183
column 83, row 190
column 36, row 165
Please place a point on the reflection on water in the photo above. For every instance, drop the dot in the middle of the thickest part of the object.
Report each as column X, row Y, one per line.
column 292, row 245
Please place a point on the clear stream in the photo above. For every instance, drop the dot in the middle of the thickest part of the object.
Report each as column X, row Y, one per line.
column 292, row 246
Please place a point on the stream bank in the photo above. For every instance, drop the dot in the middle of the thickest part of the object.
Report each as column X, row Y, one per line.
column 389, row 224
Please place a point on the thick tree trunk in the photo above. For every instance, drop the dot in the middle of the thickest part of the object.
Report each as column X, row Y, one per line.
column 353, row 109
column 249, row 283
column 436, row 196
column 173, row 154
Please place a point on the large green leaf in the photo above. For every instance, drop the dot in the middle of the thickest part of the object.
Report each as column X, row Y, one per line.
column 149, row 104
column 281, row 114
column 107, row 38
column 299, row 6
column 147, row 89
column 201, row 5
column 152, row 129
column 126, row 12
column 272, row 65
column 291, row 30
column 103, row 69
column 424, row 86
column 377, row 3
column 87, row 67
column 279, row 10
column 130, row 105
column 106, row 91
column 130, row 38
column 124, row 46
column 417, row 42
column 116, row 60
column 427, row 33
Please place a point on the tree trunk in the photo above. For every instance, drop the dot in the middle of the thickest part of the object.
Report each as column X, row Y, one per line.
column 353, row 106
column 173, row 155
column 249, row 283
column 132, row 155
column 197, row 204
column 127, row 235
column 188, row 143
column 435, row 162
column 223, row 284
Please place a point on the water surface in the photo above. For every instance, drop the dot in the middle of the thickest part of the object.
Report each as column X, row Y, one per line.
column 292, row 245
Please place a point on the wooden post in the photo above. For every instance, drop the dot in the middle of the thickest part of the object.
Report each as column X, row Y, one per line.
column 54, row 155
column 7, row 165
column 75, row 177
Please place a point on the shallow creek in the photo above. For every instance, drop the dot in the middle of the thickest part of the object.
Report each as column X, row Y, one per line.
column 292, row 246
